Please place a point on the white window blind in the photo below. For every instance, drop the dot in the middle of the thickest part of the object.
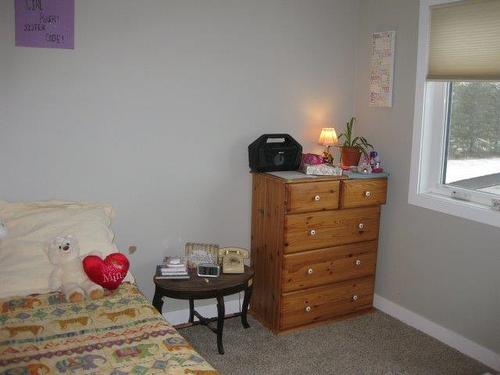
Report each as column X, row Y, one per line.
column 465, row 41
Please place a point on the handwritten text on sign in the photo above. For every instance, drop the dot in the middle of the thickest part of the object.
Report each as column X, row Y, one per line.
column 45, row 23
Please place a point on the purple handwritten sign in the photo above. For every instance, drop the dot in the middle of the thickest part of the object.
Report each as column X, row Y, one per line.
column 45, row 23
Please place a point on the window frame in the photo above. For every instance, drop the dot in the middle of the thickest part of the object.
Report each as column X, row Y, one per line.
column 426, row 188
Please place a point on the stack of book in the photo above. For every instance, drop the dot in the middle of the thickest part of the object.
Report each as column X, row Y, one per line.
column 172, row 268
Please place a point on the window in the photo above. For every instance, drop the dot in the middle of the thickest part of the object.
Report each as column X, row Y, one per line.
column 472, row 157
column 456, row 137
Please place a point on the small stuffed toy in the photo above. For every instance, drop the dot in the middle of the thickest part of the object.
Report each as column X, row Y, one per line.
column 68, row 274
column 3, row 229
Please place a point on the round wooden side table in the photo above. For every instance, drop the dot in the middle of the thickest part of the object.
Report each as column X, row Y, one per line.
column 197, row 287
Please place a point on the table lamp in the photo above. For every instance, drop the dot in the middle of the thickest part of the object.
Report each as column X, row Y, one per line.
column 328, row 137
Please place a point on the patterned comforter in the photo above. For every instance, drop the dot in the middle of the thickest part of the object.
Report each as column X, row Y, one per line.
column 117, row 335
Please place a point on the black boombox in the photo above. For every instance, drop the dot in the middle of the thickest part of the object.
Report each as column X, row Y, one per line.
column 274, row 152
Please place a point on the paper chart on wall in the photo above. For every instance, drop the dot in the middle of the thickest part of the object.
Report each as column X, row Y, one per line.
column 45, row 23
column 382, row 69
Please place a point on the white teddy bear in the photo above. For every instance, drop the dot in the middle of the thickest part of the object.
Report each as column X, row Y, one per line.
column 68, row 275
column 3, row 229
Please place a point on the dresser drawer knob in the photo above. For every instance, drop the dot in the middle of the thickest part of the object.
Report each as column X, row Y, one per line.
column 361, row 226
column 358, row 262
column 310, row 271
column 317, row 198
column 355, row 297
column 368, row 194
column 312, row 232
column 308, row 308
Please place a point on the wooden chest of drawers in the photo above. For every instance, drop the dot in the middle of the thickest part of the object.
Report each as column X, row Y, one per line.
column 314, row 248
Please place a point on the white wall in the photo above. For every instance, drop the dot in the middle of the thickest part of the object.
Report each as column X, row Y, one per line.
column 442, row 267
column 155, row 107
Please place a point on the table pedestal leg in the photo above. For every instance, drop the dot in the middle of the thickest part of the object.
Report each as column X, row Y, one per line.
column 157, row 300
column 191, row 311
column 244, row 308
column 220, row 323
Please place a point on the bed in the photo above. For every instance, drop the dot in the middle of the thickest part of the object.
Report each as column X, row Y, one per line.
column 40, row 333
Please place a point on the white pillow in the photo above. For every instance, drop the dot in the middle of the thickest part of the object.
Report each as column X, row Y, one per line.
column 24, row 265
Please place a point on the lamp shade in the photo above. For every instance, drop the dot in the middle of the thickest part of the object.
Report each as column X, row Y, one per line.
column 328, row 137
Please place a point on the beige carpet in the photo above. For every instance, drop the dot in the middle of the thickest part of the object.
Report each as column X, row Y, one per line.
column 371, row 344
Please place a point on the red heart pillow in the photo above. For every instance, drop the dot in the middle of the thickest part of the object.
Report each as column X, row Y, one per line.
column 108, row 273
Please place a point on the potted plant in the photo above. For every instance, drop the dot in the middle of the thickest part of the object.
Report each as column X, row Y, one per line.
column 352, row 148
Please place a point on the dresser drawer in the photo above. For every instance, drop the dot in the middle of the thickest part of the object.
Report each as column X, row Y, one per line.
column 325, row 266
column 325, row 302
column 360, row 193
column 330, row 228
column 313, row 196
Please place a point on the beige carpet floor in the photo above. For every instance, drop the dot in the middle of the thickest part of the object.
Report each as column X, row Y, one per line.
column 371, row 344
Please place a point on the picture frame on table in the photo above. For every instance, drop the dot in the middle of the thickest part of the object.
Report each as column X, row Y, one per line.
column 201, row 253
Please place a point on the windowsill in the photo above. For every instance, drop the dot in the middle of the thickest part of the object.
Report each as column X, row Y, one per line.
column 467, row 210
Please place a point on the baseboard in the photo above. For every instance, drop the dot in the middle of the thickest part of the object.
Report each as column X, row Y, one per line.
column 449, row 337
column 182, row 316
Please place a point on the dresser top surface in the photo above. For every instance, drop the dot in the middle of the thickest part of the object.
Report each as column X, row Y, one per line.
column 291, row 177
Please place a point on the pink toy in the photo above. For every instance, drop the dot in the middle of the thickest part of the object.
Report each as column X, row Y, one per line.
column 312, row 159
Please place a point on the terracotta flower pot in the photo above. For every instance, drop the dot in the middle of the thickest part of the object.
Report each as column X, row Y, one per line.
column 350, row 156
